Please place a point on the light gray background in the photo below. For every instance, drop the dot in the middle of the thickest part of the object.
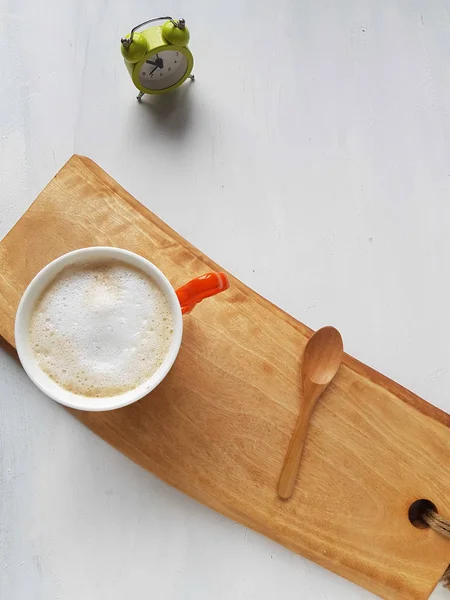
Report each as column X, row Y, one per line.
column 311, row 159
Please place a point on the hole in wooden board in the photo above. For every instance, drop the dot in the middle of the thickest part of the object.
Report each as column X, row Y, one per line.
column 417, row 510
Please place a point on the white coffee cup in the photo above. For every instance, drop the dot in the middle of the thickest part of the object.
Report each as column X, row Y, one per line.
column 180, row 302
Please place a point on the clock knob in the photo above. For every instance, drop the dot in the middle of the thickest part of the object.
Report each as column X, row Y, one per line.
column 133, row 50
column 176, row 33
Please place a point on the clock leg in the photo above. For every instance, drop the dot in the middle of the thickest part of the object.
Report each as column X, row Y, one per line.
column 192, row 77
column 139, row 96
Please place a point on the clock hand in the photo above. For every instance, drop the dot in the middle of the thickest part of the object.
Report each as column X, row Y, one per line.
column 153, row 70
column 150, row 62
column 159, row 61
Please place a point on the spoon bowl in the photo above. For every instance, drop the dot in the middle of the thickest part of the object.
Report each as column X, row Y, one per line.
column 323, row 356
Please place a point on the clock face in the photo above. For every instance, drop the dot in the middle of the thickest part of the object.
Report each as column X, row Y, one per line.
column 163, row 69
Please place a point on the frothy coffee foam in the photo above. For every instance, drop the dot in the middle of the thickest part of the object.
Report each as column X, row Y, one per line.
column 101, row 329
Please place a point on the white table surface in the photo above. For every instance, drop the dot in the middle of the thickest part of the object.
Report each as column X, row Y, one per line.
column 311, row 159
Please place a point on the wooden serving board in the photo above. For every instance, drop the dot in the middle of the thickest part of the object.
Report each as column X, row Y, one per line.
column 218, row 427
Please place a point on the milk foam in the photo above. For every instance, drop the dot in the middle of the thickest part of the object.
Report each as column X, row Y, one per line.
column 101, row 329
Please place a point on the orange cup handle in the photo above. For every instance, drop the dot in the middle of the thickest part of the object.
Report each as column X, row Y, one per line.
column 200, row 288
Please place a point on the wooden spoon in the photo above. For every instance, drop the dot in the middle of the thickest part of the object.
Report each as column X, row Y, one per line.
column 321, row 361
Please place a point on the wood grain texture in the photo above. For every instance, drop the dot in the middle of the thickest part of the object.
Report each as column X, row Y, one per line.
column 219, row 425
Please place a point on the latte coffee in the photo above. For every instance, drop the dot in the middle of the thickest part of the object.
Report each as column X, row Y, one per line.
column 101, row 329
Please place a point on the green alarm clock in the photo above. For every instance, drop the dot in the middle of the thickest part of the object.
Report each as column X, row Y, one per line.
column 158, row 58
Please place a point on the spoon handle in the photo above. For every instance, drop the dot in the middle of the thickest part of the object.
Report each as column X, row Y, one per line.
column 294, row 454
